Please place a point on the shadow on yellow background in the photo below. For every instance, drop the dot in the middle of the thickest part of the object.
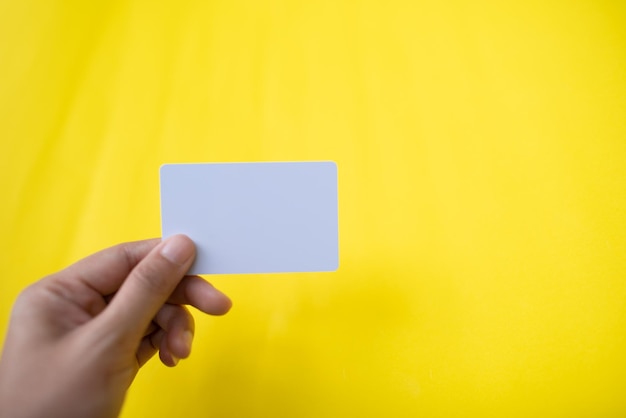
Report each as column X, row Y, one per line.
column 481, row 149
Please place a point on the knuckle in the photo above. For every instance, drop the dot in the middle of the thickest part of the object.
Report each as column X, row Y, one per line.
column 26, row 298
column 35, row 292
column 30, row 299
column 153, row 278
column 171, row 316
column 27, row 294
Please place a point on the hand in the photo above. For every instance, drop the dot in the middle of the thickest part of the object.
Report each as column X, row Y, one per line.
column 78, row 337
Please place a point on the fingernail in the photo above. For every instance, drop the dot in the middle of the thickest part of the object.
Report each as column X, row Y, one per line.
column 175, row 360
column 177, row 249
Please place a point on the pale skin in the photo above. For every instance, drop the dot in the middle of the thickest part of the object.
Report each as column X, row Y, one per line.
column 77, row 338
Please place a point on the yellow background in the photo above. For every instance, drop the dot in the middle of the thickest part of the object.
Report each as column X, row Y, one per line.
column 481, row 149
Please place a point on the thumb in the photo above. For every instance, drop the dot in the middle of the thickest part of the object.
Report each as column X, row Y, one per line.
column 148, row 286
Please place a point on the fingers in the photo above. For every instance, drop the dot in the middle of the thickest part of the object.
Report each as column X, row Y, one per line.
column 178, row 325
column 197, row 292
column 149, row 346
column 144, row 284
column 105, row 271
column 148, row 287
column 171, row 333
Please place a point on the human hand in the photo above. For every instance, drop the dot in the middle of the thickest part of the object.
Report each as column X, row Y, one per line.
column 77, row 338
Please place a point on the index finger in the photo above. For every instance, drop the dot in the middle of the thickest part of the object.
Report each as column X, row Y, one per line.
column 197, row 292
column 106, row 270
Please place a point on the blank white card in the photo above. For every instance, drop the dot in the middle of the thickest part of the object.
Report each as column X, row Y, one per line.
column 254, row 217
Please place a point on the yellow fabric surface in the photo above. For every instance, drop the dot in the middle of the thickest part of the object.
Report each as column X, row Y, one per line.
column 481, row 148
